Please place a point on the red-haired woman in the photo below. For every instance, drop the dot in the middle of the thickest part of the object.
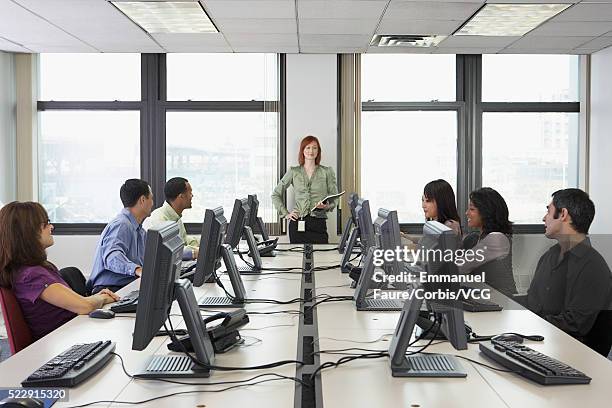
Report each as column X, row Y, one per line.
column 45, row 298
column 311, row 182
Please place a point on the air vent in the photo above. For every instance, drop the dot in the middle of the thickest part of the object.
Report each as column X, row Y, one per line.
column 411, row 41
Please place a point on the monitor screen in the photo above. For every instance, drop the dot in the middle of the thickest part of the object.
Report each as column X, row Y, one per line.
column 213, row 231
column 387, row 232
column 162, row 265
column 364, row 222
column 237, row 222
column 253, row 209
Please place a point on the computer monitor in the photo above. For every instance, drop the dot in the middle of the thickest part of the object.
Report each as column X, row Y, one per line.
column 438, row 240
column 237, row 229
column 256, row 223
column 387, row 235
column 158, row 289
column 237, row 222
column 364, row 222
column 209, row 257
column 351, row 222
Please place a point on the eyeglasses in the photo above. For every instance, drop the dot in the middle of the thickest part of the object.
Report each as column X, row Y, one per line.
column 46, row 223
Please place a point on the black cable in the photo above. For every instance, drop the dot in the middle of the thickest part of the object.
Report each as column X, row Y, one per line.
column 329, row 299
column 486, row 365
column 195, row 360
column 345, row 360
column 281, row 377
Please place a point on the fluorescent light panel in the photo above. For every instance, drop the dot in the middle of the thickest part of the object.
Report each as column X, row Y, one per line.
column 509, row 19
column 173, row 17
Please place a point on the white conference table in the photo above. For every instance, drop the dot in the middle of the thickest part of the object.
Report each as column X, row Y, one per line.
column 371, row 383
column 111, row 383
column 361, row 383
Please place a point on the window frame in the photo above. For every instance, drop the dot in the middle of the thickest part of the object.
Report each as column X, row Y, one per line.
column 153, row 107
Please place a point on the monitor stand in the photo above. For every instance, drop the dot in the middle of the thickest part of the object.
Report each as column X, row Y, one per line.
column 181, row 366
column 247, row 234
column 348, row 251
column 235, row 279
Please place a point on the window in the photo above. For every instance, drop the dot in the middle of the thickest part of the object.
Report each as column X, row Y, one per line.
column 530, row 140
column 510, row 122
column 222, row 77
column 407, row 78
column 89, row 133
column 403, row 151
column 408, row 137
column 224, row 155
column 89, row 77
column 224, row 138
column 530, row 78
column 219, row 127
column 84, row 158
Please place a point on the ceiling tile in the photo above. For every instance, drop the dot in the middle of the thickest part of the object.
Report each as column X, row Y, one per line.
column 570, row 28
column 334, row 26
column 9, row 46
column 97, row 23
column 401, row 26
column 597, row 43
column 267, row 48
column 536, row 51
column 204, row 42
column 257, row 26
column 355, row 41
column 340, row 9
column 233, row 9
column 466, row 50
column 23, row 27
column 269, row 40
column 536, row 43
column 431, row 10
column 587, row 12
column 476, row 41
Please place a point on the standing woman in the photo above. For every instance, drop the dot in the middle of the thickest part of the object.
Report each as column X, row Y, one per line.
column 46, row 300
column 311, row 182
column 438, row 204
column 488, row 213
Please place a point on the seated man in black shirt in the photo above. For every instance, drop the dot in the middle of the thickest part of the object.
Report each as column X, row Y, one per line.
column 572, row 282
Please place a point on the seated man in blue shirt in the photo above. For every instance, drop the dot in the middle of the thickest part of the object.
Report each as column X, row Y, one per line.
column 120, row 252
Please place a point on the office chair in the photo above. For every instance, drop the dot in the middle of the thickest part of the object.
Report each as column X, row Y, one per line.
column 19, row 333
column 75, row 279
column 599, row 338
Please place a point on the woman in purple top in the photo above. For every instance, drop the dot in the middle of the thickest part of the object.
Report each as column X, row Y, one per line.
column 46, row 300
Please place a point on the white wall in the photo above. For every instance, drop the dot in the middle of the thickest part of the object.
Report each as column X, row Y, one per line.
column 74, row 250
column 312, row 110
column 8, row 103
column 600, row 163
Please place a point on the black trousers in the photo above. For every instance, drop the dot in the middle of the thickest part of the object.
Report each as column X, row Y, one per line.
column 316, row 231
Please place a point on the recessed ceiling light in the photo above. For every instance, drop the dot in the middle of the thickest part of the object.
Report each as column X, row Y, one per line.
column 509, row 19
column 167, row 16
column 402, row 40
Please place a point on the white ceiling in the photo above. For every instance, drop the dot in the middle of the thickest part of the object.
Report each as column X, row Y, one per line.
column 291, row 26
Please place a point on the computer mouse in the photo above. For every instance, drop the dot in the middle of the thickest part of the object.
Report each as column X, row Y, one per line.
column 22, row 403
column 102, row 314
column 509, row 337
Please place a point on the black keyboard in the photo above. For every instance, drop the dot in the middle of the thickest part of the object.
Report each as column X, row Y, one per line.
column 73, row 366
column 127, row 304
column 532, row 364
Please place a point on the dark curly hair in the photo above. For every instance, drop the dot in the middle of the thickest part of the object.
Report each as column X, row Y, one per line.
column 493, row 210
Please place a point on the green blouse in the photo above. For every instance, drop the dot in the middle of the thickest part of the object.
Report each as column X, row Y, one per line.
column 308, row 191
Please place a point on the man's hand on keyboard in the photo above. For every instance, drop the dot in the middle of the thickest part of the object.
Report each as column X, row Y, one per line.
column 109, row 296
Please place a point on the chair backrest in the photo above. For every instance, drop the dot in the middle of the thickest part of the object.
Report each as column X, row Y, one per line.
column 600, row 336
column 19, row 333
